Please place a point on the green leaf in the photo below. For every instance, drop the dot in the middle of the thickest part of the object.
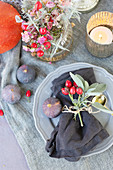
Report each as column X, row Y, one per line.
column 75, row 107
column 75, row 101
column 101, row 107
column 99, row 88
column 93, row 93
column 86, row 85
column 90, row 90
column 81, row 78
column 77, row 80
column 94, row 85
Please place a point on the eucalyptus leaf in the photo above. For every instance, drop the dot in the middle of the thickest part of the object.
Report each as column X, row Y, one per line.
column 101, row 107
column 77, row 80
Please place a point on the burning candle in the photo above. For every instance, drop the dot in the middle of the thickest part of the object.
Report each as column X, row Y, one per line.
column 102, row 35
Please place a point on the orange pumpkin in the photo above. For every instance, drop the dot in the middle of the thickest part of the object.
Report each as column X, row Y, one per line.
column 10, row 31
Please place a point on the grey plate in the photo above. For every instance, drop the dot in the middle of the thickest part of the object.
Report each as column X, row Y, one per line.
column 45, row 125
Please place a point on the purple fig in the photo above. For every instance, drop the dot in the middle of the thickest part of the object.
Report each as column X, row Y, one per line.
column 52, row 107
column 11, row 94
column 25, row 74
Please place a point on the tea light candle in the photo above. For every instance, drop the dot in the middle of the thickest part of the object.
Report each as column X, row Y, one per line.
column 101, row 35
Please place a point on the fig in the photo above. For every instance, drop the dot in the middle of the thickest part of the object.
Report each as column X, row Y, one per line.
column 11, row 94
column 52, row 107
column 25, row 74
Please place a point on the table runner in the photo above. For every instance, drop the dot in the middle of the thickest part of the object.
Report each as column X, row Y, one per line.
column 19, row 116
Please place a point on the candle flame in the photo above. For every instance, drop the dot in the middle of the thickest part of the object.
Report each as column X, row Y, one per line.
column 100, row 36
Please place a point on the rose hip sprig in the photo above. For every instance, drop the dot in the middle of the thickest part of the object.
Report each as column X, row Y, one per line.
column 71, row 89
column 28, row 94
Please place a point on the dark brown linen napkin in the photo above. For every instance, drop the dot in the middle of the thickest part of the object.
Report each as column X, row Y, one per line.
column 69, row 140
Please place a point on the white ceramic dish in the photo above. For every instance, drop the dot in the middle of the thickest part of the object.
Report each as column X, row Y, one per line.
column 45, row 125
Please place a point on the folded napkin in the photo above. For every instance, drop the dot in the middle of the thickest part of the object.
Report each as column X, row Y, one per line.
column 69, row 140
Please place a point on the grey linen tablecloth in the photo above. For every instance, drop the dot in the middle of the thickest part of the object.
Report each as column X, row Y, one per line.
column 19, row 116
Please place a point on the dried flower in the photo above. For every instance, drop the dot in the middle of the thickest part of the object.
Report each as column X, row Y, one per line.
column 66, row 3
column 50, row 4
column 32, row 50
column 41, row 40
column 39, row 48
column 26, row 48
column 55, row 12
column 49, row 25
column 25, row 36
column 49, row 37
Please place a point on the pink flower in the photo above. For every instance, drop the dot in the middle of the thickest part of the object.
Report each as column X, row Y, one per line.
column 49, row 25
column 50, row 4
column 26, row 48
column 49, row 37
column 66, row 3
column 25, row 36
column 41, row 40
column 32, row 50
column 23, row 25
column 48, row 32
column 55, row 12
column 39, row 48
column 29, row 34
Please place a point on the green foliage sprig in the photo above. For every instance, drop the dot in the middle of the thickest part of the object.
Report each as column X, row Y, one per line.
column 83, row 103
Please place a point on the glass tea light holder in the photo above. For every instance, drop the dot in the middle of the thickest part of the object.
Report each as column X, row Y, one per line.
column 86, row 5
column 99, row 34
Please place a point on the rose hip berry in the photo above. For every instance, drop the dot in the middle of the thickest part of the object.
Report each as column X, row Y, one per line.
column 79, row 91
column 74, row 84
column 40, row 53
column 1, row 112
column 42, row 31
column 24, row 27
column 68, row 83
column 72, row 90
column 47, row 45
column 38, row 5
column 28, row 93
column 34, row 45
column 51, row 20
column 65, row 91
